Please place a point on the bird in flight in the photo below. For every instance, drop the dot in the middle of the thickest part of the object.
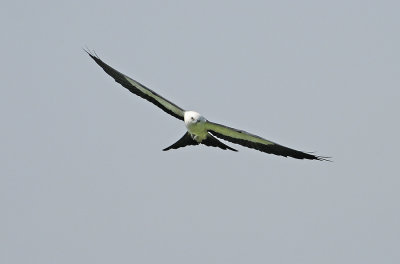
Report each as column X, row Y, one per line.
column 199, row 129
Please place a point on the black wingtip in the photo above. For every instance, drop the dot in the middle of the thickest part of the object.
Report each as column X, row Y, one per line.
column 92, row 53
column 86, row 49
column 320, row 158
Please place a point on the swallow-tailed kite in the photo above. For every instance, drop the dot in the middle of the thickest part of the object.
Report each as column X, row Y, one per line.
column 199, row 129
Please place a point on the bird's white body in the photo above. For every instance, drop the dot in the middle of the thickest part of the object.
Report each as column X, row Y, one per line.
column 195, row 124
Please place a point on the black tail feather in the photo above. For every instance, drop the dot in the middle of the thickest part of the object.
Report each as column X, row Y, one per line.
column 187, row 140
column 184, row 141
column 213, row 142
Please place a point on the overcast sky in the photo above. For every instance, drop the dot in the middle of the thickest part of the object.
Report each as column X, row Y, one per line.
column 82, row 175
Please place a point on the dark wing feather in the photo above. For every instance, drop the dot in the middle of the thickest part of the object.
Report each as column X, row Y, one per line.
column 139, row 89
column 255, row 142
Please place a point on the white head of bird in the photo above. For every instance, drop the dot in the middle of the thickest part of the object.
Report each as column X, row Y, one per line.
column 195, row 123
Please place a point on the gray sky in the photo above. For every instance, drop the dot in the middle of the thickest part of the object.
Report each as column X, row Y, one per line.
column 84, row 180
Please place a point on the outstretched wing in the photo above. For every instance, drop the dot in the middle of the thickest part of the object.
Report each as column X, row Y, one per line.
column 139, row 89
column 255, row 142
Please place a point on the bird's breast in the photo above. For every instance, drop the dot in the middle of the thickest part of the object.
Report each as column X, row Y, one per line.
column 197, row 130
